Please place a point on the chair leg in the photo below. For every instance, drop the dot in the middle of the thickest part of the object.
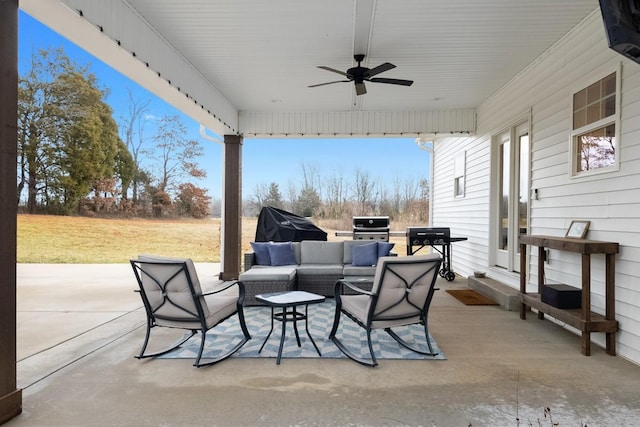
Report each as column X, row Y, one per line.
column 373, row 357
column 332, row 336
column 243, row 324
column 146, row 339
column 336, row 322
column 172, row 347
column 238, row 346
column 406, row 345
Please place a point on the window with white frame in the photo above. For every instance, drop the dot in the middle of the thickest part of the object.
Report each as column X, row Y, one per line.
column 458, row 175
column 595, row 127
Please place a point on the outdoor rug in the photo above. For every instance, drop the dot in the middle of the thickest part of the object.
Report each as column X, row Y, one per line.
column 470, row 297
column 321, row 317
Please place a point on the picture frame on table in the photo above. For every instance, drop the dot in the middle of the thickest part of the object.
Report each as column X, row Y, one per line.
column 578, row 229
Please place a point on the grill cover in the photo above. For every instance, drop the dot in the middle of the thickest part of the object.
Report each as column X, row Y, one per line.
column 277, row 225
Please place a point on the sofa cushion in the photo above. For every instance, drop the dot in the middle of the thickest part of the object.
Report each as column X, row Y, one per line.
column 261, row 251
column 319, row 269
column 320, row 252
column 281, row 254
column 352, row 270
column 365, row 255
column 280, row 273
column 384, row 248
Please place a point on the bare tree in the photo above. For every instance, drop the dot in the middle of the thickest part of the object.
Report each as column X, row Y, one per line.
column 133, row 129
column 336, row 196
column 364, row 192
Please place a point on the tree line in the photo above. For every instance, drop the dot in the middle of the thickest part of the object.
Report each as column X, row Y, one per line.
column 74, row 157
column 340, row 197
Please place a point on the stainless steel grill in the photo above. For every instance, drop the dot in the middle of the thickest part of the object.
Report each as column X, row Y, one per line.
column 371, row 228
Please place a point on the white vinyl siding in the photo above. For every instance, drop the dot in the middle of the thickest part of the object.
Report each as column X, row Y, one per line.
column 610, row 201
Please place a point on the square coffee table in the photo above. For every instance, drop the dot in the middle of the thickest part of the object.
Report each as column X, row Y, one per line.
column 289, row 301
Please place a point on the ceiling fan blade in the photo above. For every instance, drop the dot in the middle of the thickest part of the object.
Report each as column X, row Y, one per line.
column 392, row 81
column 360, row 89
column 330, row 83
column 333, row 70
column 381, row 68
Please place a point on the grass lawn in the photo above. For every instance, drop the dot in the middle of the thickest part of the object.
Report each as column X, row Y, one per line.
column 79, row 240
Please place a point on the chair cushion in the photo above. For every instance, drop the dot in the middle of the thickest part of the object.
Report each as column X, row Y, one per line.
column 179, row 285
column 261, row 251
column 365, row 255
column 320, row 252
column 281, row 254
column 357, row 305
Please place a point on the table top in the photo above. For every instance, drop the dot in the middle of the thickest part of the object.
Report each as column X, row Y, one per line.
column 291, row 298
column 570, row 244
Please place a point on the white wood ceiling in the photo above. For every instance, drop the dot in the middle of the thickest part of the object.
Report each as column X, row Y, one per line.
column 261, row 55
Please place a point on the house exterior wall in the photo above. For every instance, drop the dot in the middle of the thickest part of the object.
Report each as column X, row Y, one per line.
column 611, row 201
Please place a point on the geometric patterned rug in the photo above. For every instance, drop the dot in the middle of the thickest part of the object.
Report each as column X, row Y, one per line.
column 321, row 316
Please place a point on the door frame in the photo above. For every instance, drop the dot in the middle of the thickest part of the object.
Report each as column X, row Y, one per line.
column 495, row 191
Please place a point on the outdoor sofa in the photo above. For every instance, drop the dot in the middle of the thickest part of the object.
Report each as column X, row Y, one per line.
column 309, row 265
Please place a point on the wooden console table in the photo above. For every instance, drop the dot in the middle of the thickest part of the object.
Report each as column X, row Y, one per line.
column 583, row 318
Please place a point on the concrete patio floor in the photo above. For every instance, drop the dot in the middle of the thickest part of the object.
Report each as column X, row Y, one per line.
column 79, row 327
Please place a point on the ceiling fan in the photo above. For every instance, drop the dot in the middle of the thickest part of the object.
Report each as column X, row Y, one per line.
column 360, row 74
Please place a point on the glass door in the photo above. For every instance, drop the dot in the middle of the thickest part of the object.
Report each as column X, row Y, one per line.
column 512, row 201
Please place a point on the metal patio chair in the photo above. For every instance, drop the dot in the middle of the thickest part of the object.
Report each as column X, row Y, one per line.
column 402, row 291
column 172, row 297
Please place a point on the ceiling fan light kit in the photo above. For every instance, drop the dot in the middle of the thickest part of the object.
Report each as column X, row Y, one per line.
column 359, row 74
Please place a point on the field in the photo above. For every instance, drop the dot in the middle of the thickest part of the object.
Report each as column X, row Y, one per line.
column 80, row 240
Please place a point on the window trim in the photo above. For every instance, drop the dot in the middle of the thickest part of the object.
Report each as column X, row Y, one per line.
column 459, row 175
column 611, row 120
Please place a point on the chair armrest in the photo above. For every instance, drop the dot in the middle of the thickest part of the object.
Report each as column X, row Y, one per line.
column 340, row 283
column 249, row 258
column 224, row 287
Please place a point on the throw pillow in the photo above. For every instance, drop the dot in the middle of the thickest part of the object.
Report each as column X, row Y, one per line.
column 261, row 249
column 364, row 255
column 384, row 248
column 281, row 254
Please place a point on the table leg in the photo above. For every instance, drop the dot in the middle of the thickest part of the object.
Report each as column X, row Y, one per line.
column 586, row 343
column 284, row 329
column 295, row 325
column 269, row 334
column 306, row 327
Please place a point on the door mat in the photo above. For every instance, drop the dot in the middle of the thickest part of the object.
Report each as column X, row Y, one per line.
column 470, row 297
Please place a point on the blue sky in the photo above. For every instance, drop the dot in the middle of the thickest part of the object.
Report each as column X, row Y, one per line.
column 264, row 160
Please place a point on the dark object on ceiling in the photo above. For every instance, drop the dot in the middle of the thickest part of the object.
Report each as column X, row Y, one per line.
column 277, row 225
column 622, row 25
column 360, row 74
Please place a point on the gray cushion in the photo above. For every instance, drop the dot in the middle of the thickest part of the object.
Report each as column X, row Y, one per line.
column 280, row 273
column 178, row 287
column 296, row 251
column 352, row 270
column 320, row 252
column 319, row 269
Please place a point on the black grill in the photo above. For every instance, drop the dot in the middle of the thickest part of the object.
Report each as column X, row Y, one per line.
column 427, row 236
column 371, row 228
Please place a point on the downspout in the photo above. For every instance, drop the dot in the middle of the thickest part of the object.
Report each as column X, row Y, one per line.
column 427, row 144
